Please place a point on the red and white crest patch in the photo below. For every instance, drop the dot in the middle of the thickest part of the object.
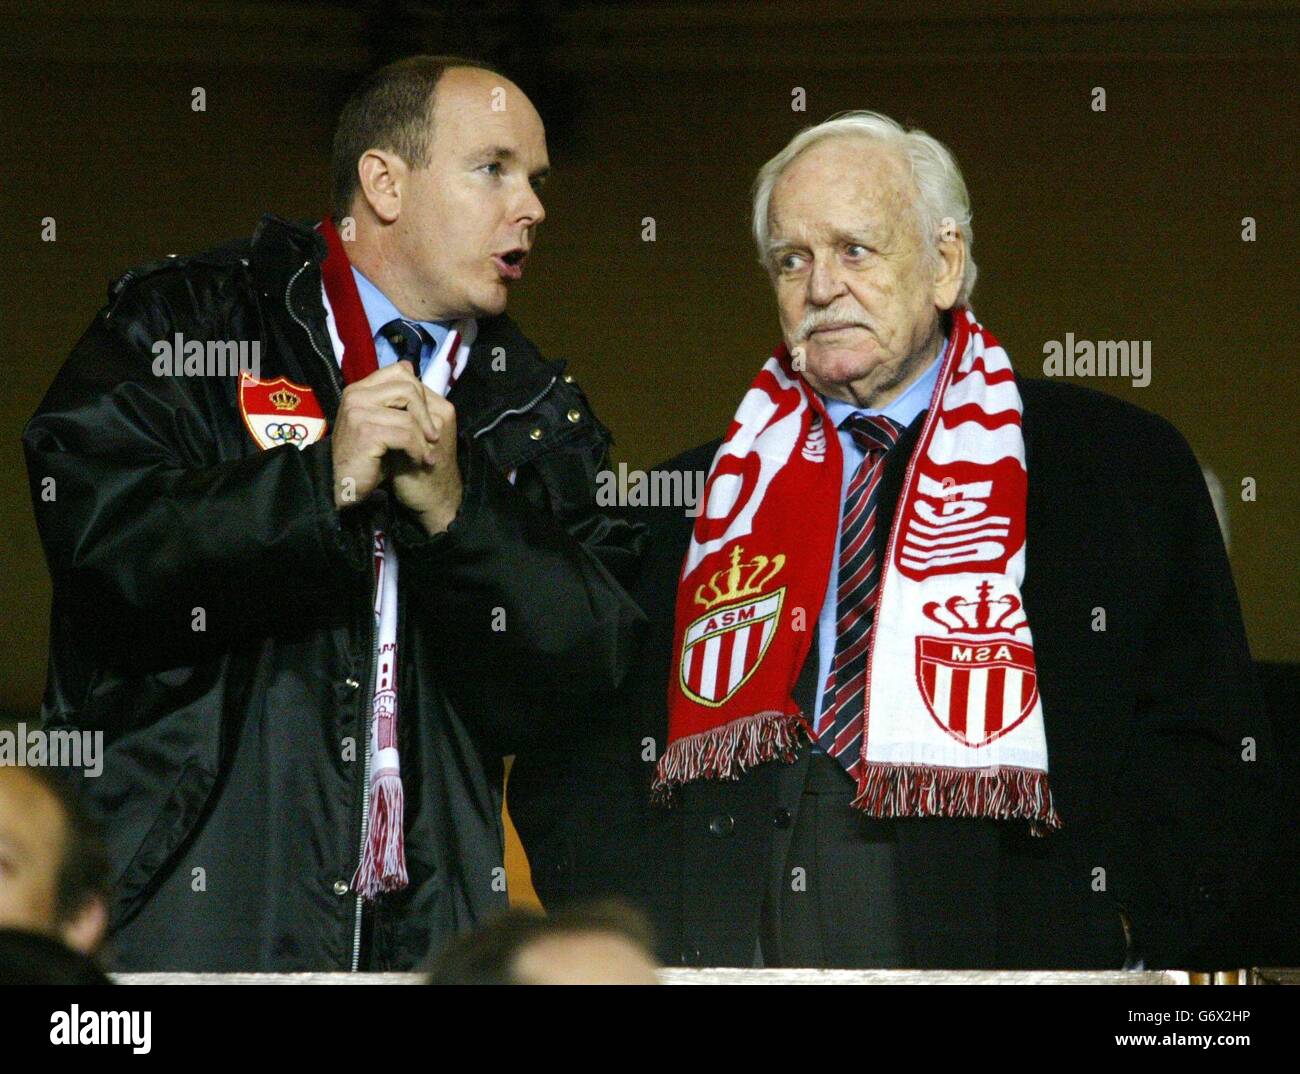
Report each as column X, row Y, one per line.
column 279, row 412
column 724, row 648
column 976, row 691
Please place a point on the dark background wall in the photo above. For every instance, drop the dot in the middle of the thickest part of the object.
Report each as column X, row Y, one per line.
column 1122, row 224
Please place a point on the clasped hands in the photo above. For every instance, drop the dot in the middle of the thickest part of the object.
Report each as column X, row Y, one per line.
column 390, row 426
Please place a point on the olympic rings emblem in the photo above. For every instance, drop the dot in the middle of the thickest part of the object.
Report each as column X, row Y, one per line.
column 283, row 432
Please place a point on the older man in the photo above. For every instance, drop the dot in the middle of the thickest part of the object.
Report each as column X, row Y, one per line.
column 950, row 670
column 303, row 760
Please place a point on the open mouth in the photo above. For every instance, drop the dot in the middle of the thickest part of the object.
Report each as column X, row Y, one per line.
column 510, row 265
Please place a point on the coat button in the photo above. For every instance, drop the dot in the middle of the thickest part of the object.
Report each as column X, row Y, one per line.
column 722, row 825
column 340, row 887
column 689, row 955
column 568, row 378
column 574, row 415
column 781, row 818
column 536, row 434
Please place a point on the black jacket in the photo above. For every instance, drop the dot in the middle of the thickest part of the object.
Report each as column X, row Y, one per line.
column 1145, row 723
column 232, row 787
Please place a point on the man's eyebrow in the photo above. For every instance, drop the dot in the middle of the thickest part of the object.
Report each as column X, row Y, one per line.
column 864, row 234
column 493, row 152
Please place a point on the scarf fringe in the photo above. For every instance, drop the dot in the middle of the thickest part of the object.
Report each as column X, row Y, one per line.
column 903, row 790
column 728, row 751
column 383, row 868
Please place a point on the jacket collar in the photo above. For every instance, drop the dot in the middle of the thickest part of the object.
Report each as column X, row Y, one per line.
column 280, row 248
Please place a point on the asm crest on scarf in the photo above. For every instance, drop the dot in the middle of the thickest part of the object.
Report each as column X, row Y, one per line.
column 724, row 647
column 279, row 412
column 980, row 685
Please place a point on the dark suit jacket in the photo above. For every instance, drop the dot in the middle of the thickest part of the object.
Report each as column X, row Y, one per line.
column 1146, row 722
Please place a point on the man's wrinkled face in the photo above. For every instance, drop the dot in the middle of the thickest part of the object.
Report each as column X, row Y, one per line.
column 855, row 285
column 31, row 849
column 470, row 217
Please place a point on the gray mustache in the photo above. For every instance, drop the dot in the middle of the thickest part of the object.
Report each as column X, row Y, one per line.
column 813, row 322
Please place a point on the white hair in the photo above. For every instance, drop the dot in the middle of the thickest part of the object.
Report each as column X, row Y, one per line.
column 941, row 202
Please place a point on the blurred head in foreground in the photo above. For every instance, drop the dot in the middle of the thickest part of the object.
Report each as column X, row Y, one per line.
column 596, row 943
column 53, row 872
column 31, row 958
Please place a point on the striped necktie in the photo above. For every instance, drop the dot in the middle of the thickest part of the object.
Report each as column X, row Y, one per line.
column 839, row 729
column 409, row 341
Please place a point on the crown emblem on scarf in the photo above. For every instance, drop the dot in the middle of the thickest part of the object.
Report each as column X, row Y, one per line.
column 285, row 400
column 959, row 616
column 740, row 580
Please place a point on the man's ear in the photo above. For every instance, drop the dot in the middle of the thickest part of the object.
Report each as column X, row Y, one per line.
column 382, row 178
column 85, row 931
column 952, row 265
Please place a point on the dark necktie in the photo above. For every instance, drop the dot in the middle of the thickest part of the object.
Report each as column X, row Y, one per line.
column 408, row 341
column 839, row 730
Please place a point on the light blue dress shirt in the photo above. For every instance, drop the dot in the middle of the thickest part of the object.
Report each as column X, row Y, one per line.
column 380, row 310
column 903, row 410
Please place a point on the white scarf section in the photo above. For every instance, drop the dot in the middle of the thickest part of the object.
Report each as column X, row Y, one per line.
column 383, row 860
column 955, row 721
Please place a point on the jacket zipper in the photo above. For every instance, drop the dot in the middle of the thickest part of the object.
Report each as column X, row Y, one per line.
column 365, row 805
column 331, row 365
column 336, row 380
column 516, row 410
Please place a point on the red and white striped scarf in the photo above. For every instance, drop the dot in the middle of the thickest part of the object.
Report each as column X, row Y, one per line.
column 383, row 859
column 953, row 718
